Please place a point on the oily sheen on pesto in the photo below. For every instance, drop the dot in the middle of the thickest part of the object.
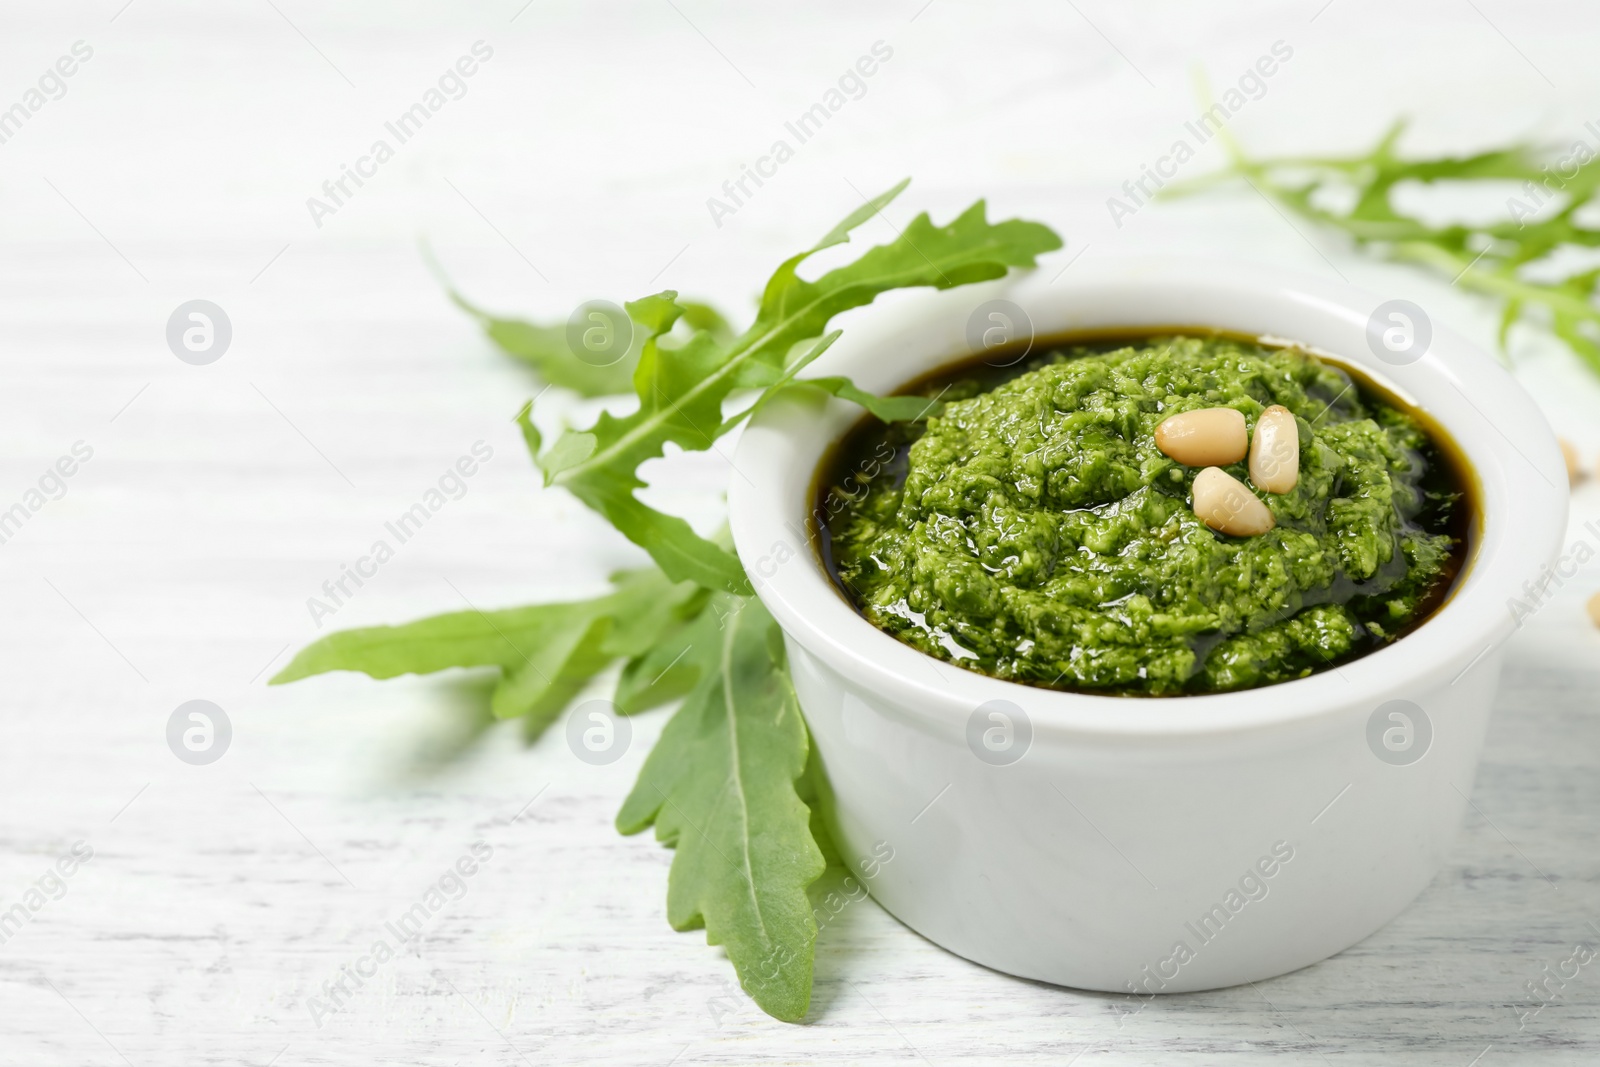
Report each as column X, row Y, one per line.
column 1032, row 530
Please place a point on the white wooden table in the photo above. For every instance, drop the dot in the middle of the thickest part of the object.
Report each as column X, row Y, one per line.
column 219, row 899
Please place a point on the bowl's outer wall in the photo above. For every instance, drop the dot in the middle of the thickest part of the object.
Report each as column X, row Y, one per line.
column 1076, row 868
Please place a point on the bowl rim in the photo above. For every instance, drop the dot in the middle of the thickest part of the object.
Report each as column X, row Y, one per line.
column 1514, row 456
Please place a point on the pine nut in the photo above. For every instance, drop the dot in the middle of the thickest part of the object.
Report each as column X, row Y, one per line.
column 1594, row 608
column 1574, row 464
column 1223, row 503
column 1209, row 437
column 1275, row 451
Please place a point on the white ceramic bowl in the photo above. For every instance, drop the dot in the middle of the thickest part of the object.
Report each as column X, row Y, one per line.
column 1158, row 844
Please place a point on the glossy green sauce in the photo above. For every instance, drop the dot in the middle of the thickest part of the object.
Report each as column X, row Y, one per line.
column 1033, row 531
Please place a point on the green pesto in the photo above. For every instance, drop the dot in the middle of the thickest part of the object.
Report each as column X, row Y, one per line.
column 1033, row 531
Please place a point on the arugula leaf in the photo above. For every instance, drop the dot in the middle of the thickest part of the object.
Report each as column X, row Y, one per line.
column 671, row 667
column 546, row 653
column 732, row 784
column 1513, row 259
column 545, row 348
column 681, row 390
column 887, row 408
column 720, row 787
column 698, row 316
column 680, row 552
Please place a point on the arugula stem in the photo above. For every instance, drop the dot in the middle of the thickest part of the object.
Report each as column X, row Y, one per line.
column 1482, row 257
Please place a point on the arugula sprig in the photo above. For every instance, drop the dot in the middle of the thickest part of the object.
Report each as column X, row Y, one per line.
column 682, row 390
column 731, row 785
column 1514, row 258
column 546, row 653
